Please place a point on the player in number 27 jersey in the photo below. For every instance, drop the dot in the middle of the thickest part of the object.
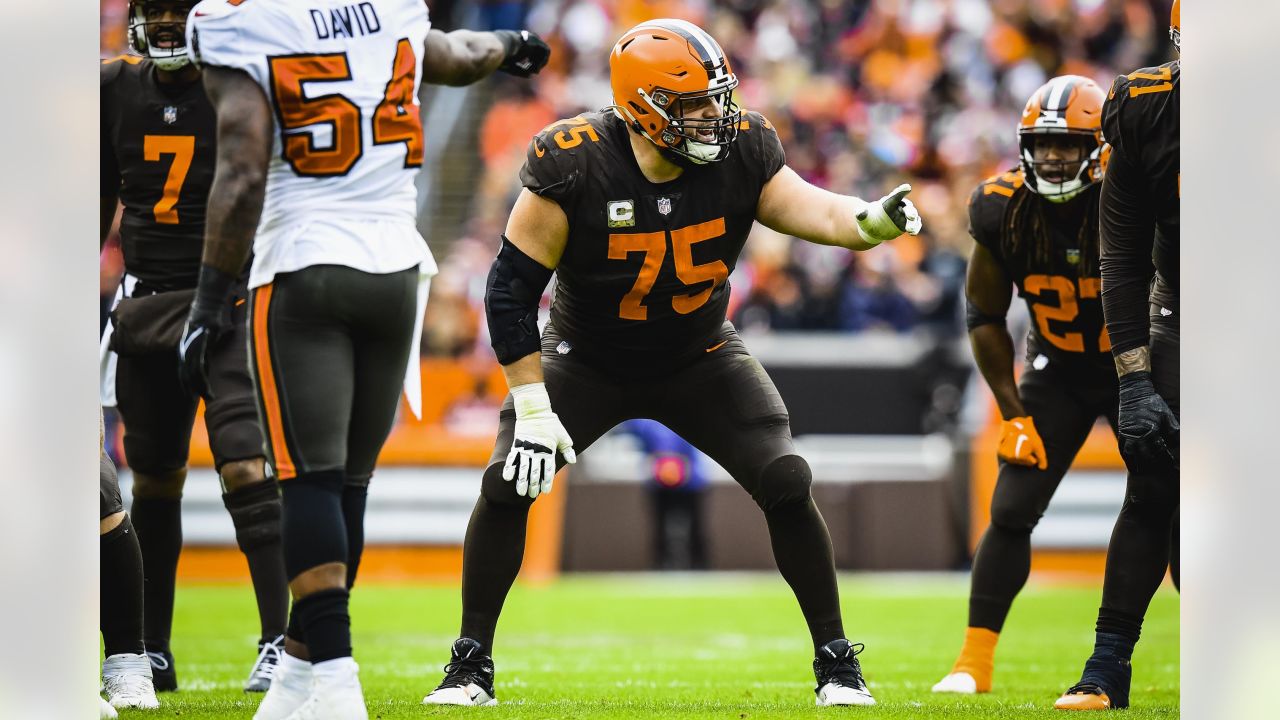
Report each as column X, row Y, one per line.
column 319, row 142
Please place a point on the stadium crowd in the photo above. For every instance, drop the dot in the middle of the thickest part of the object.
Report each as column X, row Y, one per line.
column 864, row 94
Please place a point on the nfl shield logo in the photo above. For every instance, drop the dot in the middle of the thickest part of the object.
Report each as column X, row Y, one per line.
column 664, row 206
column 170, row 114
column 1073, row 256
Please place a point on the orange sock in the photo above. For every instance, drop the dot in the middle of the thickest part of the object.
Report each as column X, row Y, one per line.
column 978, row 656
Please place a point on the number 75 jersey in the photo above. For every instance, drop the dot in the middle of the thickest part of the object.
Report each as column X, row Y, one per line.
column 342, row 78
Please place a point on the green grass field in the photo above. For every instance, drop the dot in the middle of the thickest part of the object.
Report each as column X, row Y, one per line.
column 710, row 646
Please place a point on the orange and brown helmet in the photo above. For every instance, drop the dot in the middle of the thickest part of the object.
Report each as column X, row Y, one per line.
column 1175, row 26
column 672, row 83
column 1068, row 105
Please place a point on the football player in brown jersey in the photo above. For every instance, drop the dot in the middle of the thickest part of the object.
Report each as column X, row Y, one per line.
column 1036, row 229
column 642, row 210
column 126, row 672
column 157, row 161
column 1140, row 275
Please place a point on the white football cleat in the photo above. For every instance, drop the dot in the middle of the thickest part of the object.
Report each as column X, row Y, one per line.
column 105, row 711
column 960, row 683
column 126, row 679
column 335, row 693
column 290, row 687
column 835, row 694
column 472, row 694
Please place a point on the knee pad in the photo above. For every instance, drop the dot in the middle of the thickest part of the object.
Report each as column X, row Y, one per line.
column 784, row 481
column 1013, row 517
column 498, row 491
column 312, row 523
column 255, row 512
column 164, row 485
column 240, row 474
column 1153, row 495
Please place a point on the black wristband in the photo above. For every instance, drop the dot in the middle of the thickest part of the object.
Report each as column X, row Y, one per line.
column 1134, row 379
column 213, row 290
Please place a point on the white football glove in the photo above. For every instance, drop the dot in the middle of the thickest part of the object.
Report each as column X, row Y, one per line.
column 889, row 217
column 539, row 434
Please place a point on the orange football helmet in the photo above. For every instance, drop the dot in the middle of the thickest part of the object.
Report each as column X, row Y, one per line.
column 1175, row 27
column 1067, row 105
column 666, row 74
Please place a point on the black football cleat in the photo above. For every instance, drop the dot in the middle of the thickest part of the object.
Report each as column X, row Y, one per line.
column 468, row 678
column 163, row 674
column 839, row 675
column 1103, row 686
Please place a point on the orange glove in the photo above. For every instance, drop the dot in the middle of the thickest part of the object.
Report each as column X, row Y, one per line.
column 1020, row 444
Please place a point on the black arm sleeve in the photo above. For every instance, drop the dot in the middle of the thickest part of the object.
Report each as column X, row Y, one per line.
column 110, row 171
column 1128, row 233
column 511, row 297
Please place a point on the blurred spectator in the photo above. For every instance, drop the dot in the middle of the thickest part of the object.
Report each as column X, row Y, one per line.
column 870, row 297
column 678, row 483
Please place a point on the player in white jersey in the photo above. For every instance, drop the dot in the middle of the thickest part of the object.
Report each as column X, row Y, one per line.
column 319, row 141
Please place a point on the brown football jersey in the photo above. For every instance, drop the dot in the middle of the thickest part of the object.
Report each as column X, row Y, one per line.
column 158, row 159
column 1141, row 200
column 1062, row 288
column 644, row 279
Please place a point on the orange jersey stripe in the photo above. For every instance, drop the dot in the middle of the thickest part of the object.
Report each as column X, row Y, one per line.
column 267, row 385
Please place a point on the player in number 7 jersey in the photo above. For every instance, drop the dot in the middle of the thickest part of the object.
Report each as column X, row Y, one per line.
column 642, row 210
column 158, row 149
column 319, row 142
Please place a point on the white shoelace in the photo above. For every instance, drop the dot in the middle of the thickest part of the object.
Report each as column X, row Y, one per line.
column 267, row 667
column 158, row 660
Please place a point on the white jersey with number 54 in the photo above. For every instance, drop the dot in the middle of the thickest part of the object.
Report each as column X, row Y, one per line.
column 342, row 78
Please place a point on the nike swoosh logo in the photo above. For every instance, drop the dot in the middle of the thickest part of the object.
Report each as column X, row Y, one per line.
column 186, row 342
column 1017, row 449
column 717, row 346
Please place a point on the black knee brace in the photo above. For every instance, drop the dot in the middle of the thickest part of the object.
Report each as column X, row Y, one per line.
column 255, row 513
column 498, row 491
column 165, row 484
column 1014, row 518
column 784, row 481
column 314, row 530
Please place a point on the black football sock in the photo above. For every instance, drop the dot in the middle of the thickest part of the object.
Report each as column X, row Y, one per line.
column 491, row 557
column 120, row 591
column 293, row 630
column 327, row 623
column 802, row 549
column 255, row 512
column 1117, row 633
column 1000, row 570
column 158, row 522
column 355, row 495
